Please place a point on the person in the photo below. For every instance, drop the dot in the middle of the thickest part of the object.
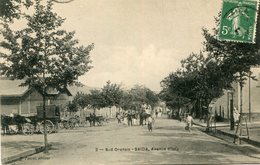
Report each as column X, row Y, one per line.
column 156, row 113
column 236, row 115
column 11, row 115
column 150, row 123
column 129, row 119
column 189, row 121
column 141, row 117
column 94, row 119
column 90, row 119
column 134, row 117
column 118, row 117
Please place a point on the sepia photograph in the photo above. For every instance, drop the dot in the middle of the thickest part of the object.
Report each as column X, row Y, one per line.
column 129, row 82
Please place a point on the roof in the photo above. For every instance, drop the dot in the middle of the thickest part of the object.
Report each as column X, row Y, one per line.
column 12, row 88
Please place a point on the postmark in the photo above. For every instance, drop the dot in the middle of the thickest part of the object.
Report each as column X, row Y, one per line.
column 238, row 20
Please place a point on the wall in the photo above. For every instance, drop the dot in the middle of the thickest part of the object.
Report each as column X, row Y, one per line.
column 27, row 104
column 255, row 93
column 9, row 105
column 224, row 101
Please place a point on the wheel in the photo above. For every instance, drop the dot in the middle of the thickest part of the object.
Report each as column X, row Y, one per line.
column 49, row 126
column 66, row 124
column 61, row 126
column 73, row 122
column 28, row 129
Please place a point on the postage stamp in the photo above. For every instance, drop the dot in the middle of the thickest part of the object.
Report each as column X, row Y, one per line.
column 238, row 20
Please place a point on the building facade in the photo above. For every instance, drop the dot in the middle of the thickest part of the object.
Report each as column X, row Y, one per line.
column 250, row 99
column 24, row 100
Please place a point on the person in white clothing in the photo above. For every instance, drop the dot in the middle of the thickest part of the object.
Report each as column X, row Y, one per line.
column 189, row 121
column 236, row 115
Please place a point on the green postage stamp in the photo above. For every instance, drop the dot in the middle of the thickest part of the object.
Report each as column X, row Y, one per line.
column 238, row 20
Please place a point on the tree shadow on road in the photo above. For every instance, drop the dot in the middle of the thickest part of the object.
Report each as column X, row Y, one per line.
column 199, row 143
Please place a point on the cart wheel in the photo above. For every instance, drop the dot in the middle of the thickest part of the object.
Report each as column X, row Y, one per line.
column 28, row 129
column 49, row 127
column 73, row 122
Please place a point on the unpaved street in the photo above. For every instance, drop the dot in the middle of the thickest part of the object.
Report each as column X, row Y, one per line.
column 116, row 143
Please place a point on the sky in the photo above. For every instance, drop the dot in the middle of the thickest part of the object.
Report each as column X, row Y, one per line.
column 137, row 41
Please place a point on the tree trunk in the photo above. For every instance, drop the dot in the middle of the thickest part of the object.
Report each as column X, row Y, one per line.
column 208, row 114
column 208, row 119
column 44, row 123
column 241, row 97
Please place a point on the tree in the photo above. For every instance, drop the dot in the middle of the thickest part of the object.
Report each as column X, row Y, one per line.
column 43, row 55
column 11, row 9
column 96, row 99
column 236, row 58
column 141, row 94
column 152, row 98
column 126, row 102
column 72, row 106
column 199, row 81
column 112, row 94
column 172, row 98
column 81, row 99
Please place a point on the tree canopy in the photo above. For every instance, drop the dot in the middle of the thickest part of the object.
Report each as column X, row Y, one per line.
column 204, row 76
column 112, row 93
column 43, row 49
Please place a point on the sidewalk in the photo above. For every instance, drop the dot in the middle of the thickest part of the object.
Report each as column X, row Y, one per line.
column 27, row 145
column 224, row 129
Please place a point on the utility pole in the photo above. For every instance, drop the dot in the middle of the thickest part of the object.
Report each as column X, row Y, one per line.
column 232, row 123
column 249, row 93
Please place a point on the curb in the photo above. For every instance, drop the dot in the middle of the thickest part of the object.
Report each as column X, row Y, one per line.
column 249, row 141
column 199, row 125
column 23, row 155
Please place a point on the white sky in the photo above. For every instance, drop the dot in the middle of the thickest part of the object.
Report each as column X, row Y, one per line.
column 138, row 41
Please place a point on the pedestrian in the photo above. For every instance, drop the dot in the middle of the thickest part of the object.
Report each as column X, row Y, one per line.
column 236, row 115
column 141, row 117
column 150, row 123
column 118, row 117
column 129, row 119
column 156, row 113
column 189, row 121
column 94, row 119
column 91, row 119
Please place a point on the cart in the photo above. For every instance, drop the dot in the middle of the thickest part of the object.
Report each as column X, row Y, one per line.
column 52, row 118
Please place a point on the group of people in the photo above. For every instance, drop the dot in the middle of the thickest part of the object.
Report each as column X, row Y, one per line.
column 131, row 119
column 189, row 119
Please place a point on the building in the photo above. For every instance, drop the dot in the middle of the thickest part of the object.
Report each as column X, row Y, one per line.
column 250, row 98
column 24, row 100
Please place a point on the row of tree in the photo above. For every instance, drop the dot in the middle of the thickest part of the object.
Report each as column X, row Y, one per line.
column 112, row 94
column 42, row 54
column 204, row 76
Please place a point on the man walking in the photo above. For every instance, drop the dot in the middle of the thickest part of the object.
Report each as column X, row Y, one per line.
column 189, row 121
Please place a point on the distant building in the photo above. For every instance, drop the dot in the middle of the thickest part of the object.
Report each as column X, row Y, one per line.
column 250, row 96
column 24, row 100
